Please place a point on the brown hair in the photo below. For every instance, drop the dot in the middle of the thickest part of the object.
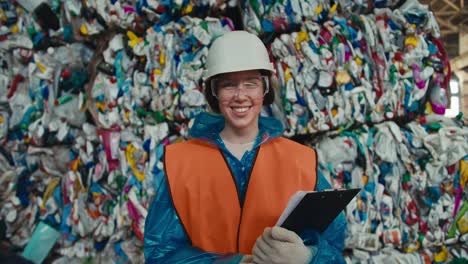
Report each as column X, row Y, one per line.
column 213, row 103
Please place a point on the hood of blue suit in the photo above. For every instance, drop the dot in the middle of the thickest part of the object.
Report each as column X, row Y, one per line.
column 207, row 127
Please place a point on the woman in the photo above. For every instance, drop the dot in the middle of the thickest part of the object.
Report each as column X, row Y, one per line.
column 225, row 188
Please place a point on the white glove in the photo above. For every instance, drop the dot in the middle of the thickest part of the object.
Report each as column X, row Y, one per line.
column 278, row 245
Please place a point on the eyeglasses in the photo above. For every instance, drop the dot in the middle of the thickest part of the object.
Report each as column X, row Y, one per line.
column 254, row 87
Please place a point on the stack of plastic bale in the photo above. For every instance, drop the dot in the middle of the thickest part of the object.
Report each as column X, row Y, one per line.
column 413, row 206
column 95, row 17
column 42, row 114
column 342, row 68
column 85, row 112
column 154, row 78
column 83, row 125
column 284, row 16
column 265, row 17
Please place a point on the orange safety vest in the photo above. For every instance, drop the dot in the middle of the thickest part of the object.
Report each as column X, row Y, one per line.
column 205, row 194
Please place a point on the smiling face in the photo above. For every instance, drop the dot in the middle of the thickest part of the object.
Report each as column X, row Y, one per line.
column 240, row 98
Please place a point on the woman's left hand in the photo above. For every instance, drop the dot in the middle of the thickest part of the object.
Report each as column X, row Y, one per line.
column 278, row 245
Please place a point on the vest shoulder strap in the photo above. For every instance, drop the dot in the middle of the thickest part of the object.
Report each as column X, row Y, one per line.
column 308, row 154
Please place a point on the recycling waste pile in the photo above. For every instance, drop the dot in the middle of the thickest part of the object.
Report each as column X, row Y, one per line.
column 414, row 179
column 92, row 91
column 357, row 68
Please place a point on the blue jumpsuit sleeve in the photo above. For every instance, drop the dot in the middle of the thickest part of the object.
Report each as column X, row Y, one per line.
column 165, row 240
column 328, row 246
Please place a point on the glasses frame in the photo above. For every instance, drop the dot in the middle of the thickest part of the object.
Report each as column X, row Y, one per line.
column 265, row 81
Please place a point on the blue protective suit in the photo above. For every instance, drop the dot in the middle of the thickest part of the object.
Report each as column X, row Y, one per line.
column 165, row 237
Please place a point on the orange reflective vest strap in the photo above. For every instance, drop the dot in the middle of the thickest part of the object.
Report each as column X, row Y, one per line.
column 206, row 199
column 204, row 195
column 282, row 168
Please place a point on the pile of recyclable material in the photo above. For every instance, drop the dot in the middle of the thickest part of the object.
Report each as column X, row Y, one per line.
column 83, row 123
column 92, row 91
column 414, row 179
column 354, row 69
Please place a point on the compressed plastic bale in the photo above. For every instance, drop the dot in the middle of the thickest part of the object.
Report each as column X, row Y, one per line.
column 277, row 16
column 368, row 68
column 169, row 83
column 138, row 15
column 96, row 193
column 426, row 206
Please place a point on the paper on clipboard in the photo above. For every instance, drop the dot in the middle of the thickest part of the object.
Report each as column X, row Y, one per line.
column 293, row 202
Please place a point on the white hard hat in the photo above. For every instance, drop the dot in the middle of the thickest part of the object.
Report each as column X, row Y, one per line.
column 236, row 51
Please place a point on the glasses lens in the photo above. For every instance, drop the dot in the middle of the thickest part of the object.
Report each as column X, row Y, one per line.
column 227, row 88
